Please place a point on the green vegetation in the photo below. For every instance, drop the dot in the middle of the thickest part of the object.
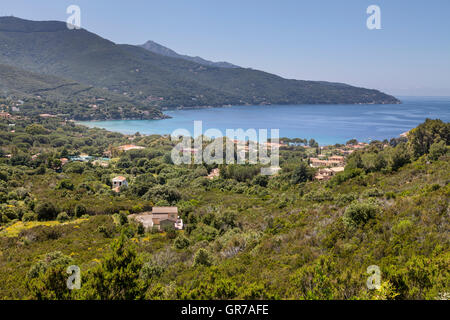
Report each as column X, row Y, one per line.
column 246, row 236
column 45, row 94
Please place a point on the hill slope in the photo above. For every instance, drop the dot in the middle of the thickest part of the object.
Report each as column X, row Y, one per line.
column 50, row 48
column 53, row 95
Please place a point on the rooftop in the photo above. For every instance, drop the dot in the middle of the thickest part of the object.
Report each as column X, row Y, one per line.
column 156, row 210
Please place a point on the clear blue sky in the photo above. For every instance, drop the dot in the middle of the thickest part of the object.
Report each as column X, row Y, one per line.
column 311, row 40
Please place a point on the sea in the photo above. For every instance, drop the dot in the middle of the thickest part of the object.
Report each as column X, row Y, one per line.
column 327, row 124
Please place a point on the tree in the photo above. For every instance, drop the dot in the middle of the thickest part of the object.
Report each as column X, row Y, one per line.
column 421, row 138
column 47, row 279
column 35, row 129
column 46, row 211
column 302, row 173
column 181, row 242
column 399, row 156
column 437, row 150
column 117, row 278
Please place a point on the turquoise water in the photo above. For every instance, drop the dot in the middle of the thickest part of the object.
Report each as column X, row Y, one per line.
column 327, row 124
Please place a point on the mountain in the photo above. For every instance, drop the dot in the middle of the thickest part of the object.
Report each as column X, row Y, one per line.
column 155, row 80
column 164, row 51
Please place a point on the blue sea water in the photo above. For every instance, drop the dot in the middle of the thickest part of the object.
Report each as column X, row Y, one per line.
column 327, row 124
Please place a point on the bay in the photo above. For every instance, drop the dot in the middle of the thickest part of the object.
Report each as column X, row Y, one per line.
column 327, row 124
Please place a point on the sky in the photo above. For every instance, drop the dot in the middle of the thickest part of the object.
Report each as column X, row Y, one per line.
column 309, row 40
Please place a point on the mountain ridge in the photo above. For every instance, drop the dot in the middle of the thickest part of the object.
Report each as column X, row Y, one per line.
column 162, row 50
column 154, row 80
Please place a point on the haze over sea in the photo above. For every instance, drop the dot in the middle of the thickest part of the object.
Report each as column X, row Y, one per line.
column 327, row 124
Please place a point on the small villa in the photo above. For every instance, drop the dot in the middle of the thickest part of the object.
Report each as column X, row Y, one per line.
column 119, row 182
column 160, row 218
column 327, row 173
column 163, row 217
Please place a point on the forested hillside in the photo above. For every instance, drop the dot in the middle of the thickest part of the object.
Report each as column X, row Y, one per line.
column 246, row 236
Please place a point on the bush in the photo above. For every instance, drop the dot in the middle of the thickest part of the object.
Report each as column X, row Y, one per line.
column 29, row 216
column 358, row 213
column 51, row 259
column 46, row 211
column 80, row 210
column 107, row 232
column 181, row 242
column 170, row 231
column 65, row 184
column 62, row 217
column 437, row 150
column 123, row 218
column 204, row 232
column 345, row 198
column 202, row 258
column 151, row 270
column 370, row 193
column 166, row 193
column 261, row 180
column 319, row 196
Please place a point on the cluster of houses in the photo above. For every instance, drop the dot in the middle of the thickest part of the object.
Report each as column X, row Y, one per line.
column 327, row 167
column 350, row 148
column 333, row 161
column 331, row 165
column 159, row 218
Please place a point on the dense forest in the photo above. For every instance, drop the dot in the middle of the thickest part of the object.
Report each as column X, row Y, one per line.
column 246, row 236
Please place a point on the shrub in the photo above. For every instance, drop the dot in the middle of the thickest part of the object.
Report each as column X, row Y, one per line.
column 123, row 218
column 319, row 196
column 51, row 259
column 358, row 213
column 181, row 242
column 261, row 180
column 63, row 216
column 204, row 232
column 437, row 150
column 107, row 232
column 29, row 216
column 151, row 270
column 140, row 229
column 372, row 193
column 65, row 184
column 345, row 198
column 202, row 258
column 46, row 211
column 170, row 231
column 80, row 210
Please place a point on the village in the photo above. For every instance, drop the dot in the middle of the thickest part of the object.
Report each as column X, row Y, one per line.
column 326, row 160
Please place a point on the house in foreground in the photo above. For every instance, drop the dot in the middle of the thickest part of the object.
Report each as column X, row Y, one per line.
column 160, row 218
column 163, row 217
column 327, row 173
